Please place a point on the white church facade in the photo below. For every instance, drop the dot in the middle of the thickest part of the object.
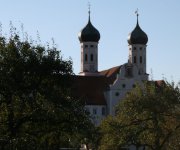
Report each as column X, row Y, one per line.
column 103, row 90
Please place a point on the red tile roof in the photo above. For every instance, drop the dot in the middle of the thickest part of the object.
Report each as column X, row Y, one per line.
column 90, row 89
column 111, row 73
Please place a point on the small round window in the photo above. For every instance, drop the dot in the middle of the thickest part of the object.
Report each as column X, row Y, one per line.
column 117, row 93
column 124, row 85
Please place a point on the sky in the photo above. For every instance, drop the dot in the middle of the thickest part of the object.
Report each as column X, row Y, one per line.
column 115, row 19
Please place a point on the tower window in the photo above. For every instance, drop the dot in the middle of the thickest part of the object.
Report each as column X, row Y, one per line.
column 140, row 48
column 86, row 58
column 134, row 59
column 134, row 48
column 86, row 46
column 141, row 59
column 92, row 57
column 92, row 45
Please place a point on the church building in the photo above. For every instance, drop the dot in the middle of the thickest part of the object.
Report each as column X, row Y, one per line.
column 103, row 90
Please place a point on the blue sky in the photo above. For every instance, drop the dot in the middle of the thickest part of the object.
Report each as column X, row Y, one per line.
column 63, row 19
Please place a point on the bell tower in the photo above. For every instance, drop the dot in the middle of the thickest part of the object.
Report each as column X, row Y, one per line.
column 89, row 38
column 137, row 41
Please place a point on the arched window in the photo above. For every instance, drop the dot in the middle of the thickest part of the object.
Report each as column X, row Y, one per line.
column 140, row 59
column 86, row 58
column 92, row 57
column 134, row 59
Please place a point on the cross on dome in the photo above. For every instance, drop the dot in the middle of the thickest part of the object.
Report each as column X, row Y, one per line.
column 89, row 10
column 137, row 13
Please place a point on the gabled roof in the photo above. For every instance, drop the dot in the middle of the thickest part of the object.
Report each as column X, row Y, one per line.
column 90, row 89
column 111, row 73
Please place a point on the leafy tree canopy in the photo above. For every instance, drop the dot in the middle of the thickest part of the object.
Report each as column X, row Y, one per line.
column 37, row 109
column 148, row 117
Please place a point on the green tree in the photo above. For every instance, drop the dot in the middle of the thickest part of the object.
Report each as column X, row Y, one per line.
column 148, row 117
column 37, row 109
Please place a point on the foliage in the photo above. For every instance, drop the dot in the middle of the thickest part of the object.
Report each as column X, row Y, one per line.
column 148, row 117
column 37, row 110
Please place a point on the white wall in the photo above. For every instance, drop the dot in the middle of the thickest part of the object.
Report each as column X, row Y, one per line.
column 121, row 86
column 97, row 113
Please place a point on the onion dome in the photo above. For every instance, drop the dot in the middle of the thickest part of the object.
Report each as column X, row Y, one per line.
column 89, row 33
column 137, row 36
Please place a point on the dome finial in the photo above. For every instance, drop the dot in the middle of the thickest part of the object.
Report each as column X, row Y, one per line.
column 137, row 13
column 89, row 10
